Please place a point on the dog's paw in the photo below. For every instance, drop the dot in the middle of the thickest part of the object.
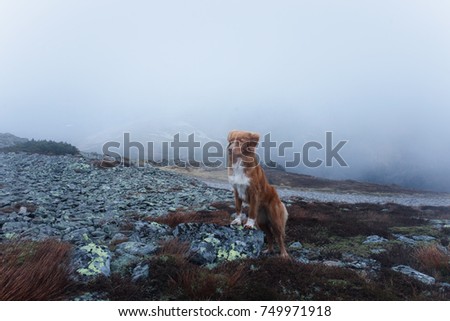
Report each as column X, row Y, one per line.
column 237, row 221
column 250, row 224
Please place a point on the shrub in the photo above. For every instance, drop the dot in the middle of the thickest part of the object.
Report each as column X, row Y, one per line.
column 46, row 147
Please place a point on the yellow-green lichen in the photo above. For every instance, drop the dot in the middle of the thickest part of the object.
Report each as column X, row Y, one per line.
column 211, row 240
column 98, row 263
column 231, row 255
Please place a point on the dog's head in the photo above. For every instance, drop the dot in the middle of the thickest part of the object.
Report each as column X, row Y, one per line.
column 242, row 144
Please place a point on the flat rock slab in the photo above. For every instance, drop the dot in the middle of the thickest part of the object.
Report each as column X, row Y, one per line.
column 419, row 276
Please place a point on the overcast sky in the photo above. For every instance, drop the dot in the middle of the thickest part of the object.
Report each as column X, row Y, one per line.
column 376, row 73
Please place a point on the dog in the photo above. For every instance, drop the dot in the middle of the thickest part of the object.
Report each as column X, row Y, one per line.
column 250, row 185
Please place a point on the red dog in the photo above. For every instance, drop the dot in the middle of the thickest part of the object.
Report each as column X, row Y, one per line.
column 251, row 186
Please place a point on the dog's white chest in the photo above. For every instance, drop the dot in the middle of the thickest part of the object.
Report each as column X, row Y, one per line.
column 239, row 180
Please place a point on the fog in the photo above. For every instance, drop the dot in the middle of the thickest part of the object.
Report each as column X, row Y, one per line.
column 374, row 73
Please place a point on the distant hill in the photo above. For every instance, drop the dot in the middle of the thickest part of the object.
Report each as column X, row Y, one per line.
column 7, row 140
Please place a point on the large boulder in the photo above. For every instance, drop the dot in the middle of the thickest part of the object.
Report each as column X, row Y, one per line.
column 211, row 243
column 90, row 261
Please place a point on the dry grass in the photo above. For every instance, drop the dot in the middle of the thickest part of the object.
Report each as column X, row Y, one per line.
column 175, row 248
column 176, row 218
column 433, row 260
column 34, row 270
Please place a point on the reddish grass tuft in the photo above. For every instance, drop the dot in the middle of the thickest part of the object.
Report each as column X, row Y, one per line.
column 32, row 271
column 433, row 261
column 175, row 248
column 174, row 219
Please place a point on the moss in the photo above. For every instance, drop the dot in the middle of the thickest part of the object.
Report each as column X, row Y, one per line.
column 415, row 230
column 353, row 245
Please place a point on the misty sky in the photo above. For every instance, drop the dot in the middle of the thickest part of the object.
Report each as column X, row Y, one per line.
column 376, row 73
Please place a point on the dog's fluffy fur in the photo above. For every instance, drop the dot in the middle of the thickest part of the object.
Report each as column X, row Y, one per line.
column 251, row 186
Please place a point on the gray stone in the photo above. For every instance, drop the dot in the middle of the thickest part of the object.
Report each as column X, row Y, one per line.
column 90, row 261
column 296, row 245
column 356, row 262
column 152, row 230
column 119, row 238
column 136, row 248
column 404, row 269
column 423, row 238
column 121, row 263
column 211, row 243
column 373, row 239
column 333, row 263
column 405, row 239
column 15, row 227
column 23, row 210
column 141, row 271
column 77, row 236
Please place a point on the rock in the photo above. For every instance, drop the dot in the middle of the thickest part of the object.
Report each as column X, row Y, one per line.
column 295, row 246
column 333, row 263
column 141, row 271
column 136, row 249
column 373, row 239
column 152, row 230
column 91, row 260
column 122, row 263
column 77, row 236
column 404, row 269
column 204, row 252
column 423, row 238
column 405, row 239
column 211, row 243
column 23, row 210
column 15, row 227
column 118, row 238
column 356, row 262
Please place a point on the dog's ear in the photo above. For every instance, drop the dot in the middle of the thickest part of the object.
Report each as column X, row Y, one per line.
column 231, row 136
column 254, row 137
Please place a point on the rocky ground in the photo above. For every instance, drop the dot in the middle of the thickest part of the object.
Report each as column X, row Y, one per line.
column 164, row 235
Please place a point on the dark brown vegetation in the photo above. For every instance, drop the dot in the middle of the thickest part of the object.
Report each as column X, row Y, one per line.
column 35, row 270
column 174, row 277
column 282, row 178
column 109, row 162
column 173, row 219
column 318, row 223
column 327, row 227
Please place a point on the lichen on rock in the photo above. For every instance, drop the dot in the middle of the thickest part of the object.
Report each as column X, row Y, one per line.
column 211, row 243
column 92, row 260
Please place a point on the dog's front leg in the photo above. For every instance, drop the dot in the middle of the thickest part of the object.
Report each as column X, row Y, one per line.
column 252, row 212
column 238, row 205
